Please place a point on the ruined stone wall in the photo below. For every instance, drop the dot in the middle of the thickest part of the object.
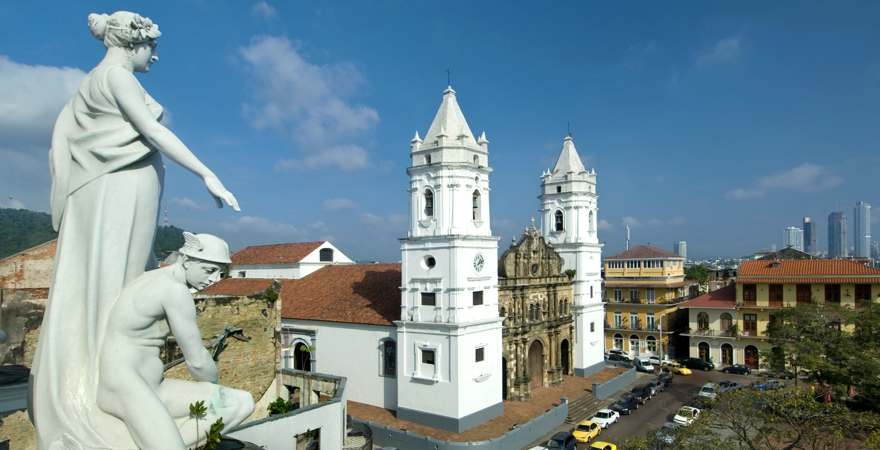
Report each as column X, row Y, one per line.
column 249, row 366
column 25, row 278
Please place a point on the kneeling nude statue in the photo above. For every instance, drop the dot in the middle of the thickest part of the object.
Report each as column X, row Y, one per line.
column 132, row 385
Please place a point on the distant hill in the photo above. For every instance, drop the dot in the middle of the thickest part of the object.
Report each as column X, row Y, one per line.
column 21, row 229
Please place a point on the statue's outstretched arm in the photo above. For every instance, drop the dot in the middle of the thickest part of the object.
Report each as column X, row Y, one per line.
column 181, row 314
column 130, row 99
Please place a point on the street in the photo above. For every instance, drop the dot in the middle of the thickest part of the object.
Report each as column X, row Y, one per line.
column 664, row 405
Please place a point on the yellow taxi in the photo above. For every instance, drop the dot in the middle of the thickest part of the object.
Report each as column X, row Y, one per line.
column 678, row 369
column 586, row 431
column 599, row 445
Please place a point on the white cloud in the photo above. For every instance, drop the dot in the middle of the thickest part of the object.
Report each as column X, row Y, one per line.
column 262, row 227
column 264, row 10
column 31, row 97
column 310, row 103
column 344, row 157
column 726, row 50
column 629, row 221
column 186, row 202
column 333, row 204
column 393, row 219
column 605, row 225
column 806, row 177
column 12, row 203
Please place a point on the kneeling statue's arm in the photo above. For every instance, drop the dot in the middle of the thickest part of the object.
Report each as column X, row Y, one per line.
column 181, row 314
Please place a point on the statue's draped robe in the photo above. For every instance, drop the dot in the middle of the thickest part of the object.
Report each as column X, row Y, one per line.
column 106, row 188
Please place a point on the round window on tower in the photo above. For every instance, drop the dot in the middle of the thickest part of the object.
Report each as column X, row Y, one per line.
column 429, row 262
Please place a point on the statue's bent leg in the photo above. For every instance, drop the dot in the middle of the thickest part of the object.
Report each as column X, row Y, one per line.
column 233, row 405
column 133, row 401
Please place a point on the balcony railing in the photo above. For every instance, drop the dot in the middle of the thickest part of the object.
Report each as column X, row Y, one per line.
column 708, row 332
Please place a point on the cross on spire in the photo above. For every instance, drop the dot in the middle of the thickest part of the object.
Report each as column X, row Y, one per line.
column 448, row 77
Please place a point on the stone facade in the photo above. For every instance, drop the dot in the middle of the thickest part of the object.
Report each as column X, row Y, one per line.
column 535, row 299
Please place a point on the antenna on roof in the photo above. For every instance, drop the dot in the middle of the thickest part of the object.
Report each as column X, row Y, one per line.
column 448, row 77
column 569, row 128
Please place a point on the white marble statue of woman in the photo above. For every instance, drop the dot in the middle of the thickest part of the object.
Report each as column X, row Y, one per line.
column 107, row 177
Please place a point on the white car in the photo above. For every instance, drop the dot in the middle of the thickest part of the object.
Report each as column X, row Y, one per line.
column 643, row 365
column 605, row 417
column 686, row 415
column 709, row 390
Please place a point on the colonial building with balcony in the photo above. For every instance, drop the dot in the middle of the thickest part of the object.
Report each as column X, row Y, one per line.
column 643, row 288
column 729, row 325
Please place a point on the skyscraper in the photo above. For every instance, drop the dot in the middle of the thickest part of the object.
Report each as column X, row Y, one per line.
column 681, row 249
column 862, row 230
column 837, row 235
column 810, row 236
column 794, row 237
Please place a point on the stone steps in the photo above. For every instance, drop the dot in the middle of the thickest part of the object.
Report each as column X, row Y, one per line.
column 582, row 408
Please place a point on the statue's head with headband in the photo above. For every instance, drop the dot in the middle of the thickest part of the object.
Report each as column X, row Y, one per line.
column 123, row 29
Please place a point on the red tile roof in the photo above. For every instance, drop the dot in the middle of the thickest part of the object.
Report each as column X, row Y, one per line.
column 352, row 293
column 644, row 251
column 237, row 287
column 807, row 271
column 275, row 253
column 724, row 298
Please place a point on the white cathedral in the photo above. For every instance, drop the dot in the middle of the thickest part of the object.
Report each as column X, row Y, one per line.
column 432, row 351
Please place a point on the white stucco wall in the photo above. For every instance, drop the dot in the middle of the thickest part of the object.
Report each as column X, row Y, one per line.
column 279, row 434
column 352, row 351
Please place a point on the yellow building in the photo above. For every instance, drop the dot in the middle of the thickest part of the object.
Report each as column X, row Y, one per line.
column 730, row 325
column 643, row 288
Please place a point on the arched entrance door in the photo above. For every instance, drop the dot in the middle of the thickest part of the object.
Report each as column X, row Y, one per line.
column 704, row 351
column 536, row 364
column 504, row 378
column 751, row 356
column 566, row 358
column 302, row 357
column 726, row 354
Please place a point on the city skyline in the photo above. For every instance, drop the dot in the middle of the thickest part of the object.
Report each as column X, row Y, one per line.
column 308, row 114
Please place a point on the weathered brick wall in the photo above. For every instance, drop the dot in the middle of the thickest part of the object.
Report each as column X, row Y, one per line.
column 31, row 268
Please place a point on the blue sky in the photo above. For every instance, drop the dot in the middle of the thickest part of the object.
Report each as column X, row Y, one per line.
column 718, row 124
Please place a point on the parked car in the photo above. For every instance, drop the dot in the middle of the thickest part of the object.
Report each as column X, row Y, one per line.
column 739, row 369
column 769, row 385
column 642, row 365
column 618, row 353
column 641, row 394
column 727, row 386
column 562, row 441
column 678, row 369
column 618, row 358
column 697, row 363
column 666, row 433
column 586, row 431
column 625, row 405
column 686, row 415
column 605, row 417
column 600, row 445
column 654, row 360
column 709, row 390
column 665, row 377
column 658, row 385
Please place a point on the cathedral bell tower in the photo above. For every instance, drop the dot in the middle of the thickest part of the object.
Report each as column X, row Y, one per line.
column 569, row 222
column 449, row 333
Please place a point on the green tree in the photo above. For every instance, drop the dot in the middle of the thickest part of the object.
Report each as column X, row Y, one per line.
column 698, row 273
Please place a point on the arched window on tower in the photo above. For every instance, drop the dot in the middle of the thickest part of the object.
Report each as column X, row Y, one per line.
column 592, row 222
column 560, row 223
column 429, row 203
column 475, row 208
column 476, row 160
